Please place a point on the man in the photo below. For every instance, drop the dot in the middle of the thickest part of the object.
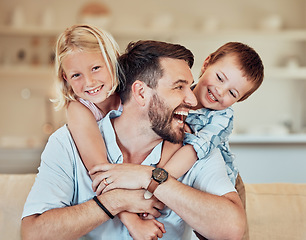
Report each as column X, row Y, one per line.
column 156, row 95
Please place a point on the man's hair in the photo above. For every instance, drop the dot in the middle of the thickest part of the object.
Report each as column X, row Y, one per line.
column 248, row 59
column 141, row 61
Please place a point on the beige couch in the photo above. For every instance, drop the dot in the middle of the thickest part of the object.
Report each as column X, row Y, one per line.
column 275, row 211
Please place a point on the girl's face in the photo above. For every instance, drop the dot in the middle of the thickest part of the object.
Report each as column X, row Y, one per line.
column 88, row 75
column 221, row 84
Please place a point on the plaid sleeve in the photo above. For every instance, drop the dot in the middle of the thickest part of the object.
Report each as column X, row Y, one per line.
column 210, row 130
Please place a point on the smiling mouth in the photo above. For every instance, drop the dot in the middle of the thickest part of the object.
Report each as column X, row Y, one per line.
column 180, row 116
column 211, row 96
column 94, row 90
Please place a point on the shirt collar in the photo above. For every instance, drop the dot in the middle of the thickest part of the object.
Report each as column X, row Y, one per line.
column 114, row 153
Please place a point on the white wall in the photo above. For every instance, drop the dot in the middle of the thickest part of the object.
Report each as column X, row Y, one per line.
column 270, row 163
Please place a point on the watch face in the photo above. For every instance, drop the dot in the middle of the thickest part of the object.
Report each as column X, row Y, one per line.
column 160, row 175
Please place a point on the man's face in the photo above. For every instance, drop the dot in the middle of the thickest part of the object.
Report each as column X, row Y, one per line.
column 171, row 101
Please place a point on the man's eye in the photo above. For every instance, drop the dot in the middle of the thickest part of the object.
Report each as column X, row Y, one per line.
column 179, row 87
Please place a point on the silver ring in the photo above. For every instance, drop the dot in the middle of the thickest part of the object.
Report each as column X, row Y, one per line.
column 105, row 182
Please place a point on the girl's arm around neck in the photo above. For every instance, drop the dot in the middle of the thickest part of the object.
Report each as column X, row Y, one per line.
column 86, row 135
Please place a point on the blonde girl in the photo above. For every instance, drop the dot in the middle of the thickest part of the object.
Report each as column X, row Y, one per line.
column 86, row 66
column 87, row 70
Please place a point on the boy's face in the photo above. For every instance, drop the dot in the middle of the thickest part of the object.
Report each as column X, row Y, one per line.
column 221, row 84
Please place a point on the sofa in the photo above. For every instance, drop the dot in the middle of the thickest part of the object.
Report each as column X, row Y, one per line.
column 275, row 211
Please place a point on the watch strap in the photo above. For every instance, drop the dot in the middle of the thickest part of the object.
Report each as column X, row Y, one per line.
column 152, row 186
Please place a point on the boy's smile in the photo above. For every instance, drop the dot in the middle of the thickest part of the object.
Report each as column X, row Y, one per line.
column 221, row 84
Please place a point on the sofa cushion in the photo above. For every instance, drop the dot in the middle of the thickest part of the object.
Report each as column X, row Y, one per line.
column 14, row 191
column 276, row 211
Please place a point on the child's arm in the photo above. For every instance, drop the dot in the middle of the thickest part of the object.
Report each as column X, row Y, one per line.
column 91, row 147
column 180, row 162
column 214, row 133
column 182, row 158
column 140, row 228
column 86, row 135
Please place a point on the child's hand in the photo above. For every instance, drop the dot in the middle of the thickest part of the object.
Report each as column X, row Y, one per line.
column 147, row 229
column 146, row 216
column 187, row 129
column 130, row 176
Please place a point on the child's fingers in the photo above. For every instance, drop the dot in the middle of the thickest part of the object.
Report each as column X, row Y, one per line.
column 161, row 226
column 100, row 168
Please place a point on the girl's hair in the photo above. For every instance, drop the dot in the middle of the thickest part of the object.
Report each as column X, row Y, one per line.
column 248, row 60
column 88, row 39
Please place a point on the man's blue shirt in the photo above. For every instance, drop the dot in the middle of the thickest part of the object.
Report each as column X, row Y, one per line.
column 63, row 181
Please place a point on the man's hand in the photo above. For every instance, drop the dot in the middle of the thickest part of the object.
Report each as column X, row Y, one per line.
column 116, row 201
column 127, row 175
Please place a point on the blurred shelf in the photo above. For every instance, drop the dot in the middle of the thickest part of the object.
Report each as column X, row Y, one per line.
column 21, row 160
column 7, row 71
column 198, row 34
column 268, row 139
column 296, row 73
column 162, row 33
column 29, row 31
column 26, row 71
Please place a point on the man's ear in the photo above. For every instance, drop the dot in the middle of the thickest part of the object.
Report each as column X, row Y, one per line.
column 138, row 92
column 205, row 64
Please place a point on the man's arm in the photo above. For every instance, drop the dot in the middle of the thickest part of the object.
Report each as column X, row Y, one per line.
column 64, row 223
column 215, row 217
column 215, row 210
column 211, row 206
column 75, row 221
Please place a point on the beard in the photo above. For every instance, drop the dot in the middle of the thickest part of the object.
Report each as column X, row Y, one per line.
column 161, row 116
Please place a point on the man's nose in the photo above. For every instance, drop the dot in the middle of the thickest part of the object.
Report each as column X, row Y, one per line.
column 190, row 98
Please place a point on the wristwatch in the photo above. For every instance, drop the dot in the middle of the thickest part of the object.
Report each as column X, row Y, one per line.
column 159, row 175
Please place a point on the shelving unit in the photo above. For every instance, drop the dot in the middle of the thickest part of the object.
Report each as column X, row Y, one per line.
column 281, row 92
column 29, row 31
column 132, row 34
column 280, row 102
column 41, row 72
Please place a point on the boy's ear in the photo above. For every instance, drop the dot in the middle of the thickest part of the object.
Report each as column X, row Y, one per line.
column 138, row 92
column 205, row 64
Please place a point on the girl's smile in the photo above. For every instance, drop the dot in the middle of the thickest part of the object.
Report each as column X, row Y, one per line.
column 88, row 75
